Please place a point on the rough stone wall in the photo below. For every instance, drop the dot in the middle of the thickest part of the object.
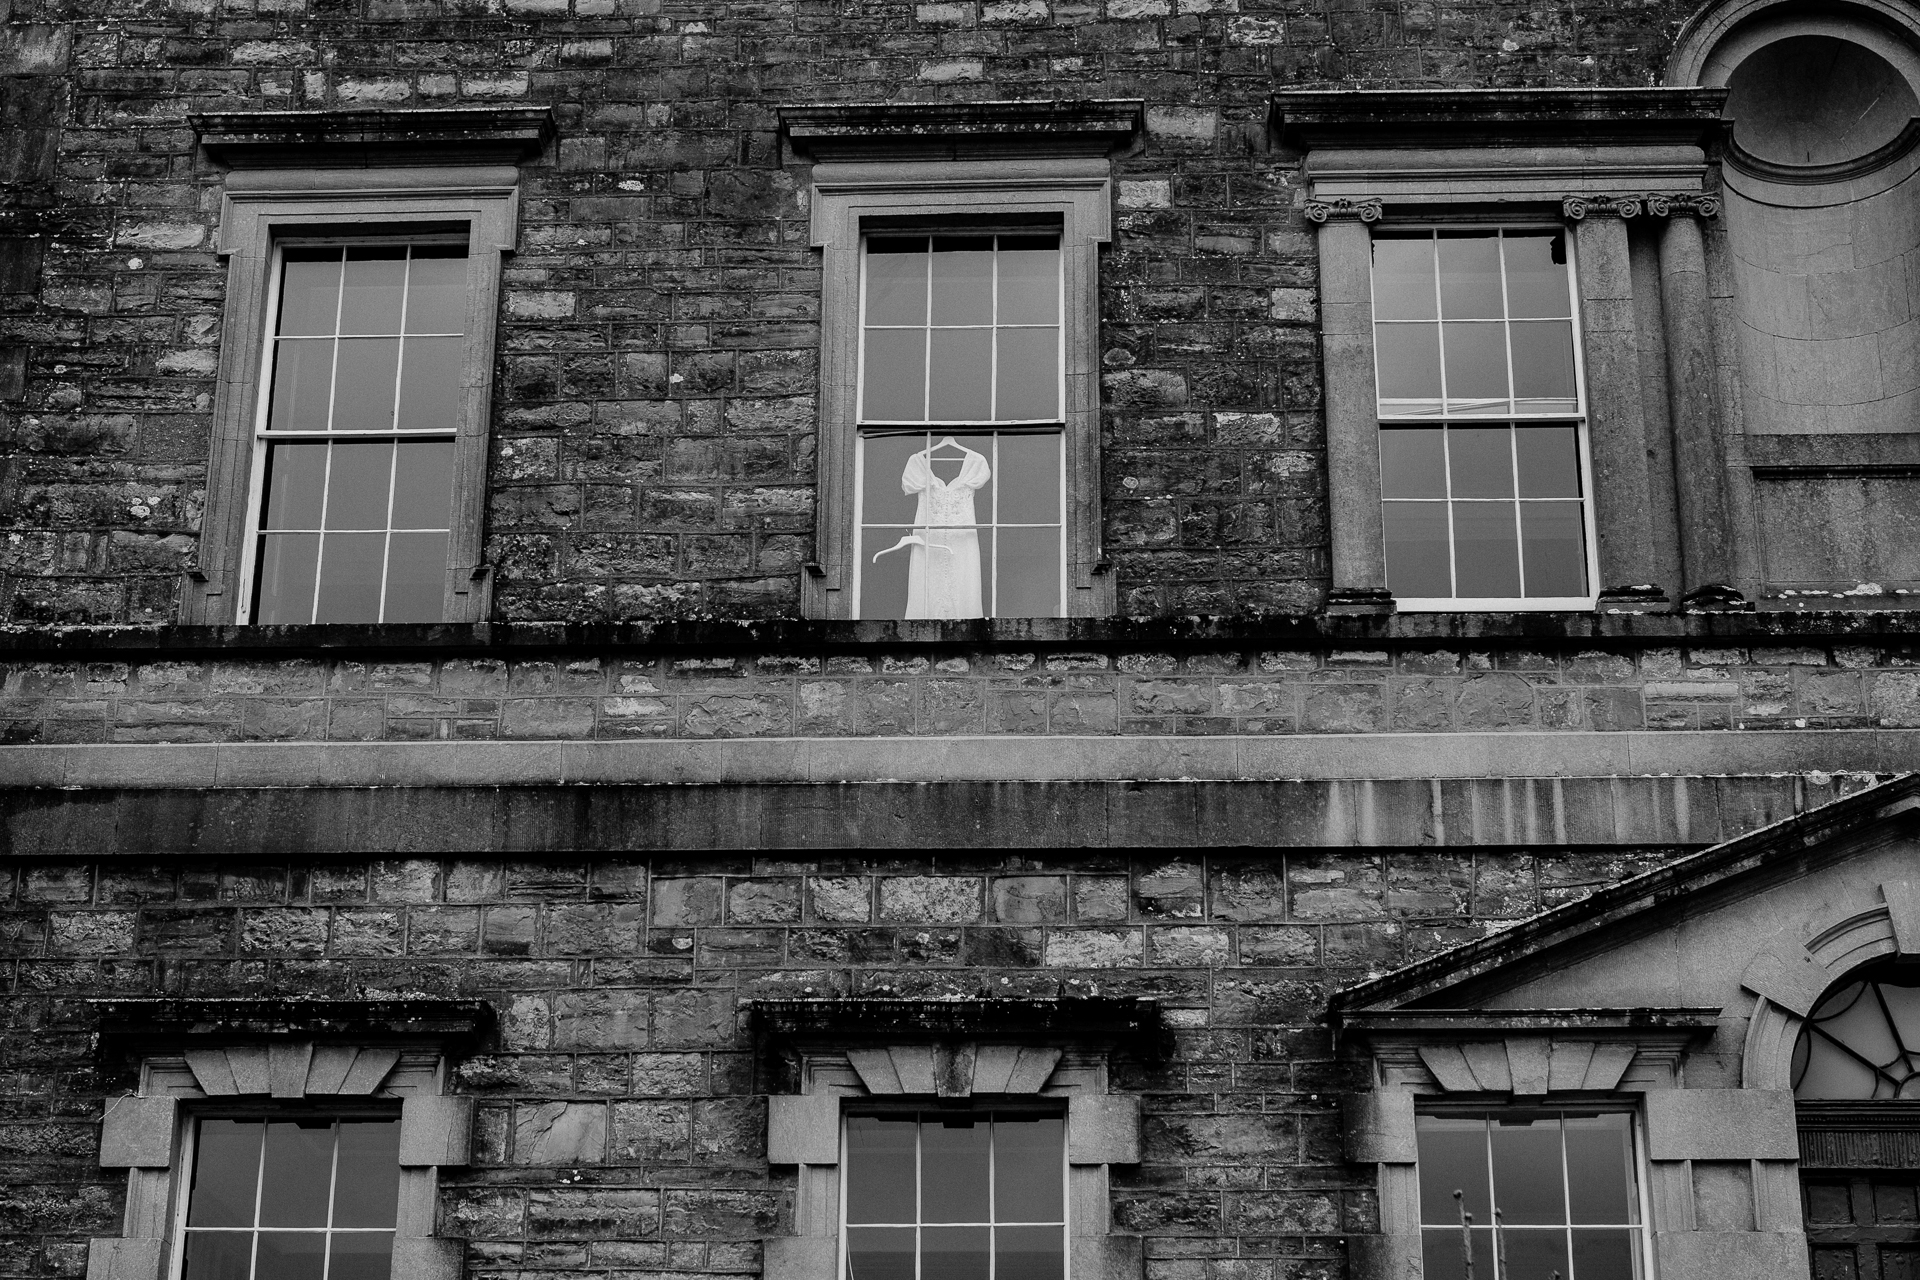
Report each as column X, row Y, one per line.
column 621, row 1127
column 654, row 395
column 934, row 691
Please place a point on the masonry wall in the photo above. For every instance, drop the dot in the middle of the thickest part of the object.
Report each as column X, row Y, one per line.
column 654, row 394
column 621, row 1125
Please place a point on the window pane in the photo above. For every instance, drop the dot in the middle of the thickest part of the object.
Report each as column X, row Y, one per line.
column 359, row 487
column 430, row 385
column 1832, row 1073
column 1029, row 478
column 1413, row 463
column 1600, row 1169
column 364, row 385
column 1029, row 574
column 1028, row 1168
column 953, row 1172
column 1440, row 1251
column 309, row 291
column 1409, row 360
column 883, row 581
column 960, row 375
column 1418, row 564
column 291, row 1255
column 1480, row 461
column 302, row 384
column 879, row 1253
column 895, row 372
column 218, row 1255
column 226, row 1166
column 1476, row 364
column 1469, row 276
column 897, row 280
column 372, row 289
column 1527, row 1186
column 1029, row 280
column 296, row 476
column 1486, row 552
column 1452, row 1157
column 1029, row 1253
column 1549, row 461
column 350, row 568
column 1403, row 278
column 297, row 1174
column 437, row 289
column 1028, row 375
column 288, row 565
column 1603, row 1255
column 962, row 280
column 1555, row 536
column 953, row 1253
column 1537, row 275
column 361, row 1256
column 1543, row 365
column 368, row 1185
column 1536, row 1253
column 416, row 577
column 423, row 485
column 883, row 464
column 880, row 1169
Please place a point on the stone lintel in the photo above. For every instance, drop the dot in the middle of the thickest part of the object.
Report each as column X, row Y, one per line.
column 1307, row 118
column 141, row 1024
column 902, row 130
column 374, row 137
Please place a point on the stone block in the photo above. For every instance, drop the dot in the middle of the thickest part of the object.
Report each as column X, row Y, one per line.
column 1103, row 1129
column 117, row 1259
column 560, row 1133
column 435, row 1130
column 1379, row 1127
column 428, row 1258
column 803, row 1128
column 137, row 1133
column 1721, row 1124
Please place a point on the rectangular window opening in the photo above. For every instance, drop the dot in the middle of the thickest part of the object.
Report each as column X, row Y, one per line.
column 290, row 1198
column 1525, row 1192
column 1485, row 499
column 954, row 1196
column 960, row 462
column 350, row 512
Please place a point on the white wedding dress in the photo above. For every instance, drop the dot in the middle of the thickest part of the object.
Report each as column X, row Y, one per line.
column 943, row 575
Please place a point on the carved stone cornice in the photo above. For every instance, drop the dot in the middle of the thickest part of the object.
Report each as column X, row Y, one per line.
column 1652, row 204
column 1323, row 211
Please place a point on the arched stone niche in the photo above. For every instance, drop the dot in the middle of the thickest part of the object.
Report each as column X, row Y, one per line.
column 1822, row 226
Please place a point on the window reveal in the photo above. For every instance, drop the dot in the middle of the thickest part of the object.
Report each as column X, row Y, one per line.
column 943, row 1197
column 353, row 472
column 1539, row 1192
column 1482, row 455
column 291, row 1199
column 960, row 459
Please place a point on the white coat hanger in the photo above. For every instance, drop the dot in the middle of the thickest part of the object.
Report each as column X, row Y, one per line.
column 949, row 443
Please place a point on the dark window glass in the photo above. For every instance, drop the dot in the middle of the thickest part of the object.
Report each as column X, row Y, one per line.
column 275, row 1199
column 1862, row 1040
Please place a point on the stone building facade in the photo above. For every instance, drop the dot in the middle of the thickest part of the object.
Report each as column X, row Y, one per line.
column 1415, row 702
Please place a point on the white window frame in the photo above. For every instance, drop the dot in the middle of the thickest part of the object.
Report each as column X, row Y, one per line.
column 854, row 198
column 1581, row 419
column 262, row 209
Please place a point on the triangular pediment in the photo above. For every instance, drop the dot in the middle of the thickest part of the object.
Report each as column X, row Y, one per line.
column 1771, row 914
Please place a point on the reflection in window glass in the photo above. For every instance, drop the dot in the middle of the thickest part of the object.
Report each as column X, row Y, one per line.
column 970, row 1196
column 1471, row 326
column 1528, row 1193
column 287, row 1199
column 356, row 449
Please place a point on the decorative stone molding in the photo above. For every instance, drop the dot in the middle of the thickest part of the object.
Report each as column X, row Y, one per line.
column 472, row 135
column 1657, row 204
column 1320, row 212
column 940, row 130
column 955, row 1070
column 268, row 1053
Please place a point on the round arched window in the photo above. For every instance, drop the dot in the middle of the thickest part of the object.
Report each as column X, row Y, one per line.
column 1862, row 1041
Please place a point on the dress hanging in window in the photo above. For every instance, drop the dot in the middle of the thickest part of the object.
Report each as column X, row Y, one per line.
column 943, row 573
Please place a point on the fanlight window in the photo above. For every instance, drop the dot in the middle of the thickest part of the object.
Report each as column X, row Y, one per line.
column 1863, row 1040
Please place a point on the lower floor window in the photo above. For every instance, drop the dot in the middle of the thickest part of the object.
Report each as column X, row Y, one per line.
column 1528, row 1194
column 1491, row 512
column 968, row 1196
column 961, row 525
column 284, row 1198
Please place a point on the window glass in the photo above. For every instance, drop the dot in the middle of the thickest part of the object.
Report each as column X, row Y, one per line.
column 969, row 1196
column 1529, row 1193
column 1862, row 1040
column 356, row 450
column 1472, row 325
column 287, row 1199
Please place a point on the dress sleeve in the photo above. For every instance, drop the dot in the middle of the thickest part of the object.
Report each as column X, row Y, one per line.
column 974, row 471
column 917, row 474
